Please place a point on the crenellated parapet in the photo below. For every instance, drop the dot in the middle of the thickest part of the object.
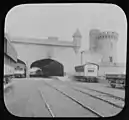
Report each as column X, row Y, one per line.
column 107, row 35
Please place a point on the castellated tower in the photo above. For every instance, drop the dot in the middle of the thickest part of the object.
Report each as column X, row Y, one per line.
column 77, row 40
column 104, row 43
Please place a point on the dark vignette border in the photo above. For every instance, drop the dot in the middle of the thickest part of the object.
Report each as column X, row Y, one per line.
column 10, row 4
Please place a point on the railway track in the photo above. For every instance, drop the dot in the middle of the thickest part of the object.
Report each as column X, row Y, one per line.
column 46, row 104
column 116, row 102
column 113, row 96
column 74, row 100
column 112, row 102
column 106, row 93
column 106, row 97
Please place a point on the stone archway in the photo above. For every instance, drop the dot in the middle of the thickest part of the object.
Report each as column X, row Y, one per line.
column 49, row 67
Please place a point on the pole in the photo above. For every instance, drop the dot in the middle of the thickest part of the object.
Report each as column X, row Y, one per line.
column 82, row 57
column 27, row 70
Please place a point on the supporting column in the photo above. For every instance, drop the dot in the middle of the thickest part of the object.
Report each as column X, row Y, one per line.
column 27, row 70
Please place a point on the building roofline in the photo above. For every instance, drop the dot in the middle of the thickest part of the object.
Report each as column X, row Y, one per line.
column 87, row 64
column 10, row 57
column 20, row 61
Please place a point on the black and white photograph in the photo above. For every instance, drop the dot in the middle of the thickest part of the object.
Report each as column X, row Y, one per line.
column 65, row 60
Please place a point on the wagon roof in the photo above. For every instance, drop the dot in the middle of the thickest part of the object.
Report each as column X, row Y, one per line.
column 87, row 64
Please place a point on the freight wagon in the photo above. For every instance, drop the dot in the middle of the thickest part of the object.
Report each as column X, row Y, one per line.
column 116, row 80
column 10, row 59
column 87, row 72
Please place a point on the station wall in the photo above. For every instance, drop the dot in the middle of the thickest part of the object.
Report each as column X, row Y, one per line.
column 9, row 65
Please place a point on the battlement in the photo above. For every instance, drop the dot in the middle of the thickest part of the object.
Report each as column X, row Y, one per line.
column 98, row 35
column 107, row 35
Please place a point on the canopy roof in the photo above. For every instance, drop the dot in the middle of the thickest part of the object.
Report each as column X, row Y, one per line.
column 49, row 67
column 43, row 63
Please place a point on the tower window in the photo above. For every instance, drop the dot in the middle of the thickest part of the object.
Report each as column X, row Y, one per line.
column 111, row 60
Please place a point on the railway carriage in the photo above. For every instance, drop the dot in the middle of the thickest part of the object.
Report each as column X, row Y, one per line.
column 35, row 72
column 10, row 59
column 87, row 72
column 20, row 69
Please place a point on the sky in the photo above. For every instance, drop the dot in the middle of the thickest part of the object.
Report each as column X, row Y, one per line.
column 62, row 20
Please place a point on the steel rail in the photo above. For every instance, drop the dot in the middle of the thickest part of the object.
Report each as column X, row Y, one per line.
column 113, row 96
column 46, row 104
column 76, row 101
column 96, row 97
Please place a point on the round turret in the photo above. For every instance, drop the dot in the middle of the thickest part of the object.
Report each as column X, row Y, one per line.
column 94, row 32
column 104, row 43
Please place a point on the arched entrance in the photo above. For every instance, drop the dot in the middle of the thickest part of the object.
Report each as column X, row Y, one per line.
column 49, row 67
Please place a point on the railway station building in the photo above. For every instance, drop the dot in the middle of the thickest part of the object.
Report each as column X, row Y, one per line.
column 10, row 56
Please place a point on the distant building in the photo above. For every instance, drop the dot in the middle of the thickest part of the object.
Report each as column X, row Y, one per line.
column 103, row 51
column 10, row 56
